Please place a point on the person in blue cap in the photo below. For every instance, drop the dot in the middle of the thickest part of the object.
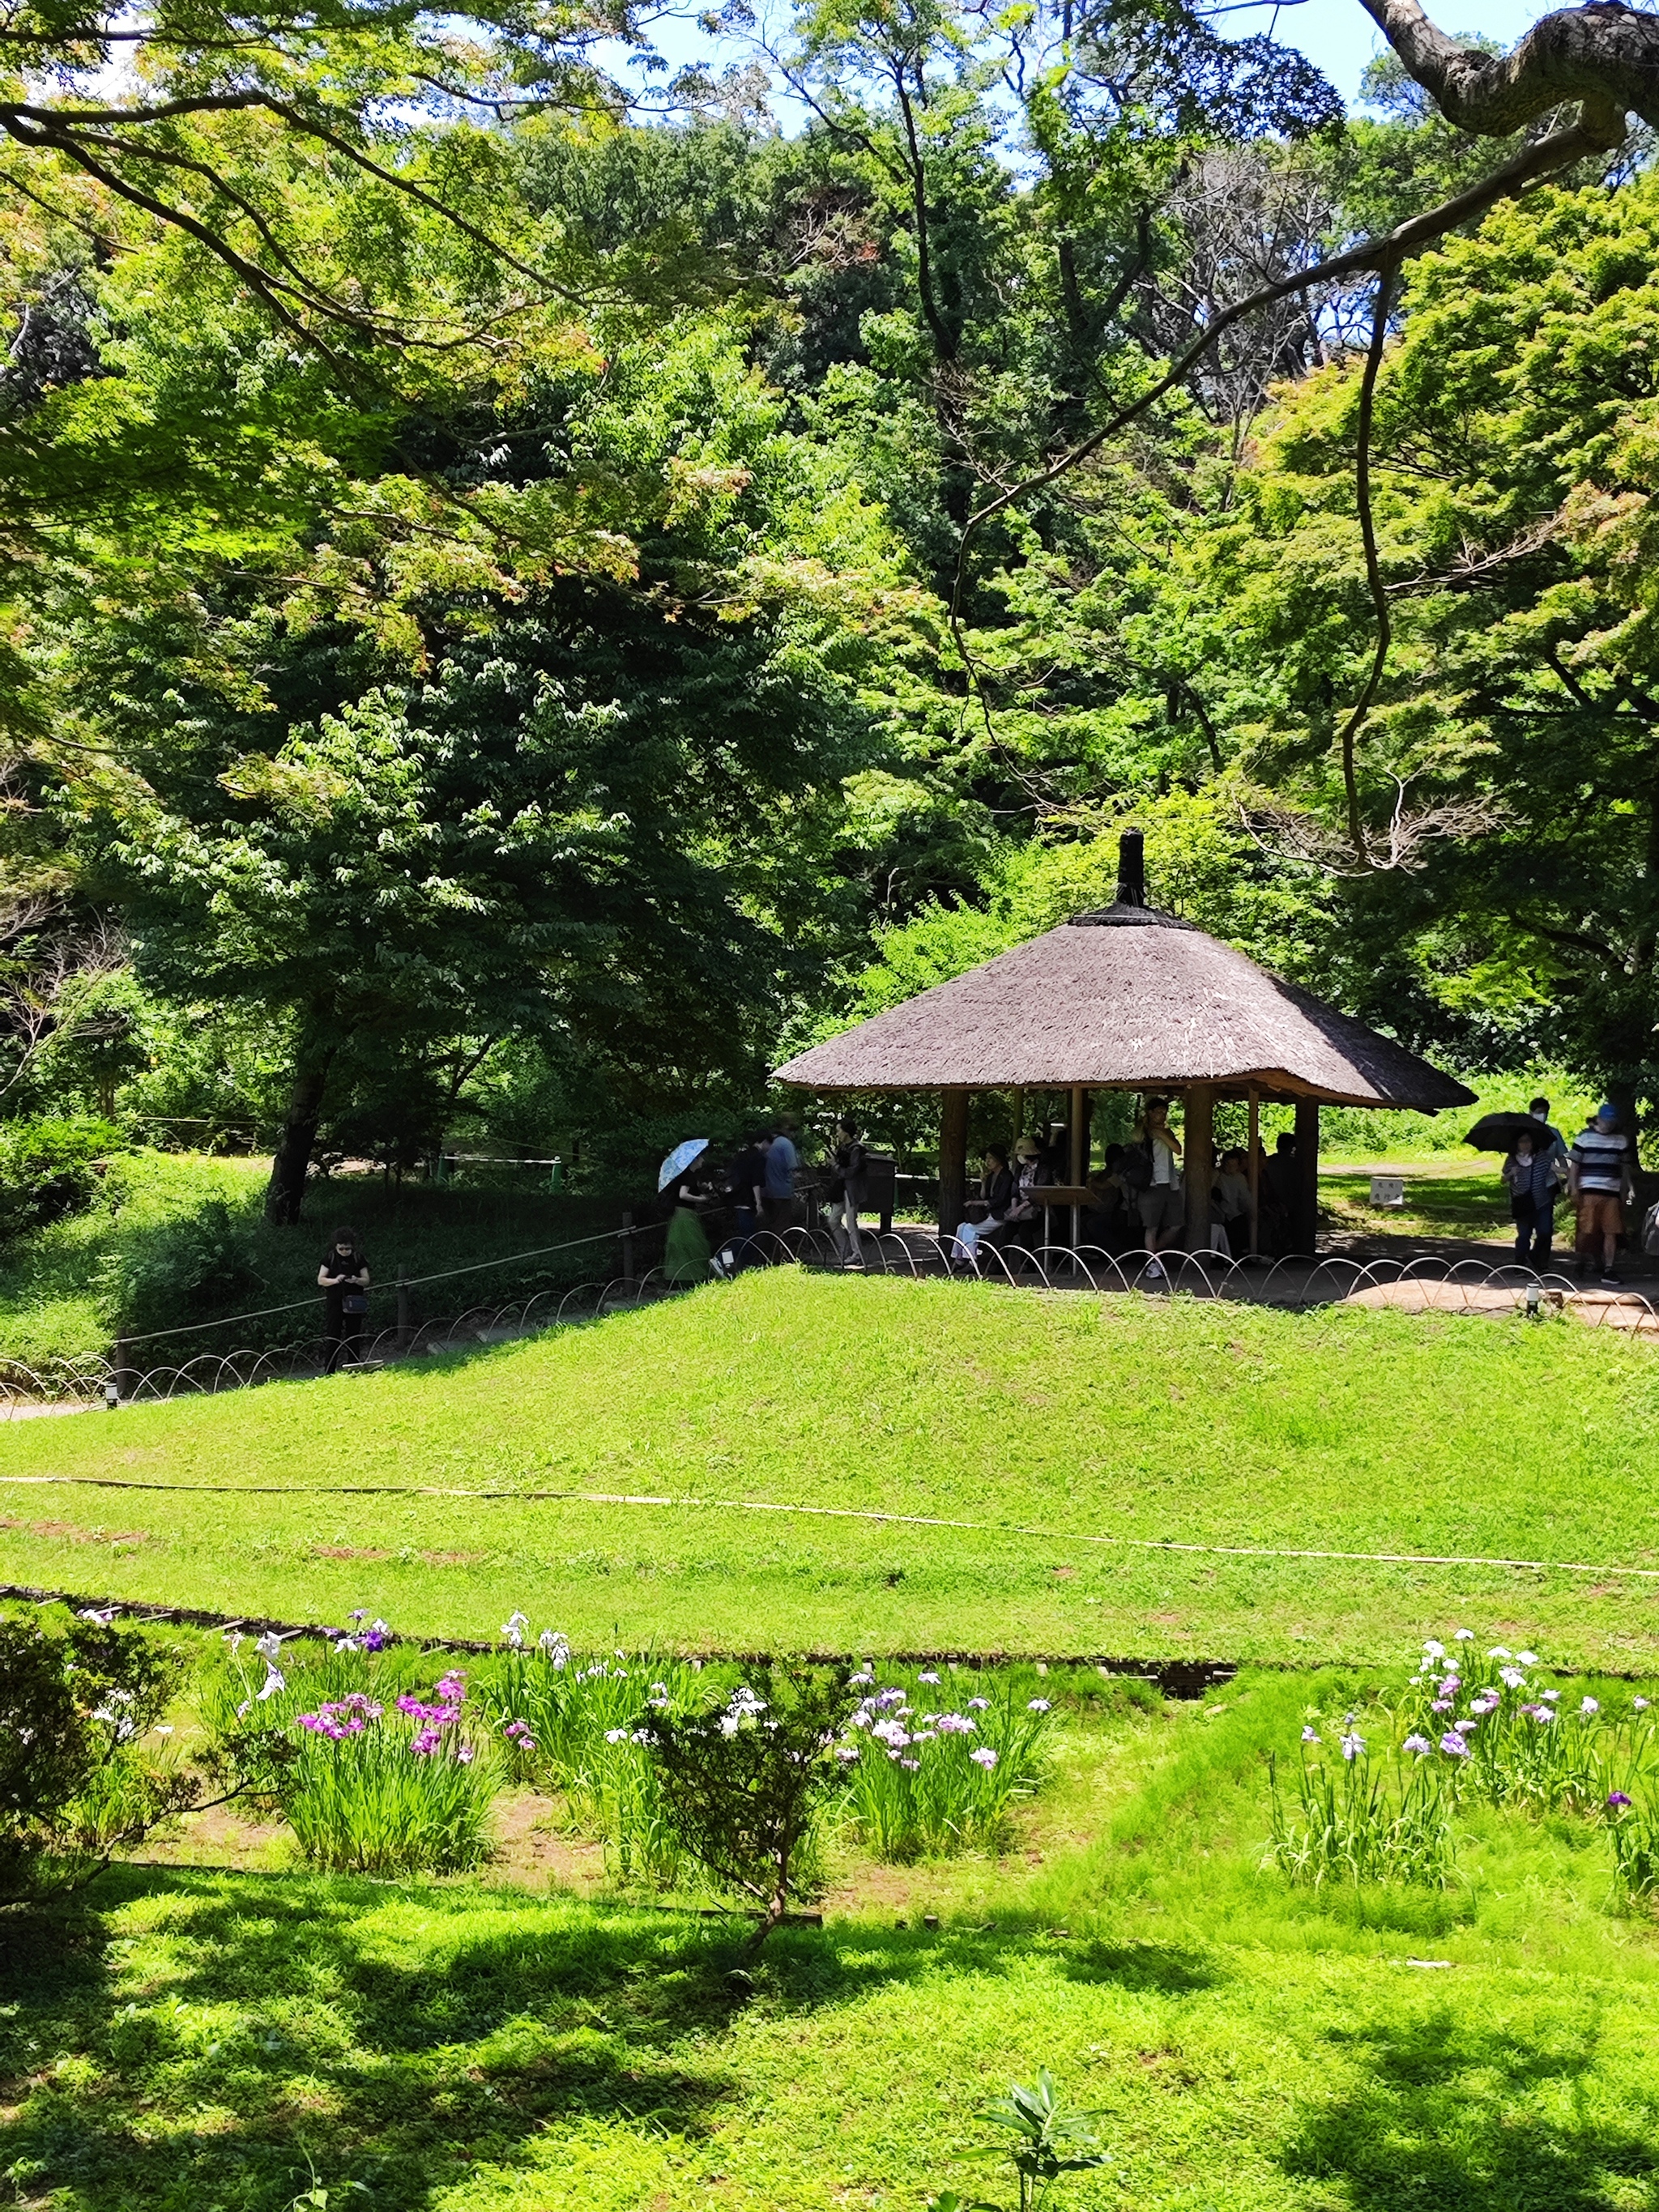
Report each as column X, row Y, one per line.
column 1599, row 1171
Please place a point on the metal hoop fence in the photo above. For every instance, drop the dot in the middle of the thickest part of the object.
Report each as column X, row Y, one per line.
column 1417, row 1281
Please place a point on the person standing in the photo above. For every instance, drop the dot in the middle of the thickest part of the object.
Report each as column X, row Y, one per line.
column 1550, row 1147
column 745, row 1193
column 1531, row 1184
column 1599, row 1173
column 1105, row 1220
column 1232, row 1202
column 847, row 1184
column 1278, row 1180
column 685, row 1249
column 343, row 1280
column 782, row 1164
column 1159, row 1202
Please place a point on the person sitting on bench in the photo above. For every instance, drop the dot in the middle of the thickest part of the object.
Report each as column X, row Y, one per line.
column 1034, row 1168
column 1000, row 1194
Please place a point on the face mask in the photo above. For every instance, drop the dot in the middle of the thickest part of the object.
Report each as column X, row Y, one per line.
column 1536, row 1115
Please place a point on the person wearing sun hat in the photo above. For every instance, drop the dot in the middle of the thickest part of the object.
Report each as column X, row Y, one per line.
column 1599, row 1171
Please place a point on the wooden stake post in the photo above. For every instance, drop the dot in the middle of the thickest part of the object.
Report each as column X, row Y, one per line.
column 1079, row 1156
column 952, row 1161
column 1197, row 1143
column 1305, row 1227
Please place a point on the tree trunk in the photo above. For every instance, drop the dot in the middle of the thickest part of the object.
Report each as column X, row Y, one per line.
column 287, row 1187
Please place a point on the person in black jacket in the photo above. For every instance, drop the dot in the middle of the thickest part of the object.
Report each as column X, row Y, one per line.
column 1001, row 1195
column 745, row 1193
column 343, row 1280
column 846, row 1194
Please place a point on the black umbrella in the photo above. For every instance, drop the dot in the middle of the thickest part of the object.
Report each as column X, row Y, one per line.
column 1497, row 1133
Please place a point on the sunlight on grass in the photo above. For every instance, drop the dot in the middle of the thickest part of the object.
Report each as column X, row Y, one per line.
column 1082, row 1419
column 463, row 2047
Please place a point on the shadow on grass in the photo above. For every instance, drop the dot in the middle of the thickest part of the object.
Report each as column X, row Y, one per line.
column 1162, row 1967
column 392, row 2035
column 229, row 2032
column 1470, row 2118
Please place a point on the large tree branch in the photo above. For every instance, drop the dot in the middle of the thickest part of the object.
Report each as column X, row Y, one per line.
column 1605, row 55
column 944, row 340
column 1373, row 565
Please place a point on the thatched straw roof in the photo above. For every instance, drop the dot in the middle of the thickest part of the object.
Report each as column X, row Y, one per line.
column 1124, row 998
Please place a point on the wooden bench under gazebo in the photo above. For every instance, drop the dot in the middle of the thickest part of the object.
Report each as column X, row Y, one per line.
column 1127, row 998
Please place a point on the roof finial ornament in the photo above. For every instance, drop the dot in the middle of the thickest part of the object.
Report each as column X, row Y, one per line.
column 1132, row 869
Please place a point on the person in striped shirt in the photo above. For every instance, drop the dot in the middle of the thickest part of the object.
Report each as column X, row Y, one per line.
column 1599, row 1171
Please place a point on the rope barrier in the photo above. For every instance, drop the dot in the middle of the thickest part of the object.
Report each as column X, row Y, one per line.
column 477, row 1266
column 824, row 1512
column 445, row 1275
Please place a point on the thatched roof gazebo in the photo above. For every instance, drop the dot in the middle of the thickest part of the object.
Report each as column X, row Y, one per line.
column 1128, row 999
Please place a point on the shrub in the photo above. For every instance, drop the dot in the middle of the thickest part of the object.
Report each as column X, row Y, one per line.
column 180, row 1270
column 48, row 1167
column 78, row 1779
column 743, row 1785
column 932, row 1782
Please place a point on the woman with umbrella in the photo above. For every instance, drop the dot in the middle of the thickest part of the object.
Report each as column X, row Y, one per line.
column 685, row 1256
column 1533, row 1171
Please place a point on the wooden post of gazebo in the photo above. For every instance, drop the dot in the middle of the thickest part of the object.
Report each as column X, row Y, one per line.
column 1305, row 1227
column 1253, row 1157
column 1197, row 1142
column 1080, row 1161
column 952, row 1161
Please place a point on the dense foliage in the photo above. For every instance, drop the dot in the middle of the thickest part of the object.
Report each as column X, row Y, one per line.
column 510, row 621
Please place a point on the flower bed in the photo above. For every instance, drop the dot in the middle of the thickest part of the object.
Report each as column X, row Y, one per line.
column 1467, row 1727
column 371, row 1778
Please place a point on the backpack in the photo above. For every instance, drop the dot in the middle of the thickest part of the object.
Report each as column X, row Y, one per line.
column 1136, row 1167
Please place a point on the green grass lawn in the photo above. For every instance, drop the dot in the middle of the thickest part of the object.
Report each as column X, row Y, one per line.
column 1443, row 1198
column 200, row 2041
column 1165, row 1421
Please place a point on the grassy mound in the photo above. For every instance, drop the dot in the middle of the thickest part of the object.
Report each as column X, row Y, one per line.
column 1142, row 1422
